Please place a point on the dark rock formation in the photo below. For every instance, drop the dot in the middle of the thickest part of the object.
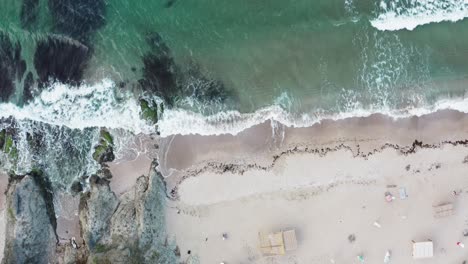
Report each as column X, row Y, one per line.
column 30, row 236
column 29, row 13
column 96, row 210
column 77, row 19
column 12, row 67
column 76, row 187
column 62, row 59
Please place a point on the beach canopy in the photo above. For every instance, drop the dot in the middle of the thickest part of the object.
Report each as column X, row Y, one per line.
column 277, row 243
column 423, row 250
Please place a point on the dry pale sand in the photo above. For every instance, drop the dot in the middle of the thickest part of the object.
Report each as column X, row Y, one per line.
column 325, row 195
column 326, row 199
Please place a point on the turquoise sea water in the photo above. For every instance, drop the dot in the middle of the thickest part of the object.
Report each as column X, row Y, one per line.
column 314, row 51
column 295, row 61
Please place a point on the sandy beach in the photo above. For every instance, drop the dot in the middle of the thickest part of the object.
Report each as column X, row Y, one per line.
column 3, row 186
column 327, row 182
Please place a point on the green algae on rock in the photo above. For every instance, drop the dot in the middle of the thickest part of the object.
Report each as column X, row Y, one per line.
column 8, row 146
column 149, row 112
column 104, row 151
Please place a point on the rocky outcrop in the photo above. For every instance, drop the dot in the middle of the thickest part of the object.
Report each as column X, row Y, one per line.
column 30, row 235
column 126, row 229
column 96, row 210
column 104, row 150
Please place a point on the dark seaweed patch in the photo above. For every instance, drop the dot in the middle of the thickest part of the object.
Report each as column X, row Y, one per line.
column 27, row 87
column 20, row 69
column 11, row 66
column 169, row 3
column 203, row 88
column 159, row 71
column 61, row 59
column 29, row 13
column 78, row 18
column 162, row 77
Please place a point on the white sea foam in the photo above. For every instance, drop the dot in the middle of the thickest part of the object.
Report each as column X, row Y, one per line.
column 399, row 14
column 99, row 105
column 183, row 122
column 96, row 105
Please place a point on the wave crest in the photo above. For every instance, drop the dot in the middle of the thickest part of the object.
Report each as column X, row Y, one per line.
column 397, row 14
column 184, row 122
column 97, row 105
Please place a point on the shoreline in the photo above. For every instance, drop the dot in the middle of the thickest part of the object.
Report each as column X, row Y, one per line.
column 327, row 181
column 182, row 157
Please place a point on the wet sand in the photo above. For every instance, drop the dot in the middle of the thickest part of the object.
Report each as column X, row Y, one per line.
column 328, row 182
column 3, row 187
column 126, row 172
column 68, row 224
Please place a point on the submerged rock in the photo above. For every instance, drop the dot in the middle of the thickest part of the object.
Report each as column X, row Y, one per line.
column 12, row 67
column 30, row 236
column 162, row 77
column 77, row 18
column 28, row 86
column 198, row 85
column 29, row 13
column 159, row 71
column 62, row 59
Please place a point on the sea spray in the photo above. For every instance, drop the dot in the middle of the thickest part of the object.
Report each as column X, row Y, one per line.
column 96, row 105
column 399, row 14
column 185, row 122
column 57, row 131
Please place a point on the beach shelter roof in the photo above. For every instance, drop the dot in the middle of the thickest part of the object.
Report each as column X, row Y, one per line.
column 443, row 210
column 277, row 243
column 290, row 241
column 423, row 250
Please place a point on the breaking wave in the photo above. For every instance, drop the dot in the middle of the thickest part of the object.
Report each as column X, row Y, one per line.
column 399, row 14
column 97, row 105
column 183, row 122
